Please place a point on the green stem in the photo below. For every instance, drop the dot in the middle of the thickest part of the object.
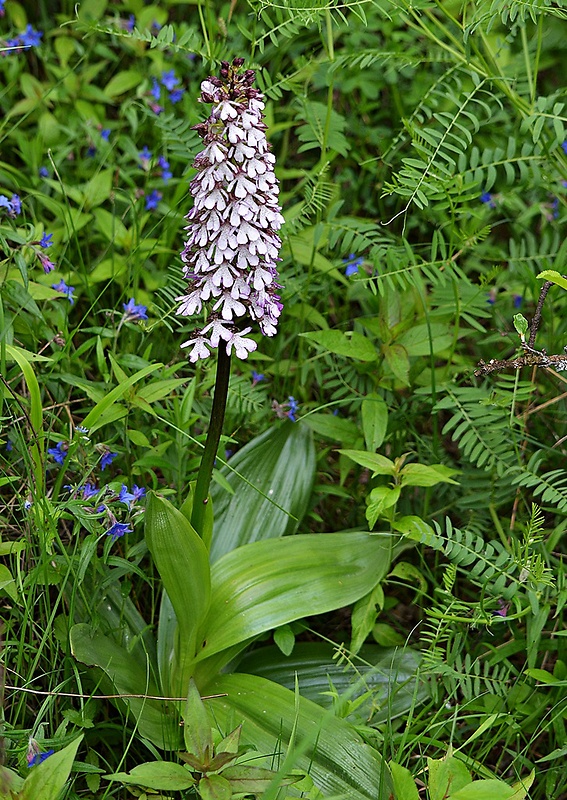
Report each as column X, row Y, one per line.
column 201, row 495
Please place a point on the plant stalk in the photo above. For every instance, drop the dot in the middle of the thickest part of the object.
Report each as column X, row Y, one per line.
column 201, row 495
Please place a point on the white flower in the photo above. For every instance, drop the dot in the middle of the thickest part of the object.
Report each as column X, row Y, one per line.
column 241, row 345
column 232, row 247
column 199, row 350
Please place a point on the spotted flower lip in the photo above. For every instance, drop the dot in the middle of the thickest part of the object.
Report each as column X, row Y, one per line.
column 232, row 246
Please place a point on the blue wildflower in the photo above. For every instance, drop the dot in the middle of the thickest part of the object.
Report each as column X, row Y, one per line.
column 2, row 11
column 134, row 312
column 12, row 206
column 38, row 758
column 293, row 406
column 152, row 200
column 58, row 452
column 256, row 377
column 64, row 289
column 176, row 95
column 487, row 198
column 9, row 445
column 155, row 91
column 118, row 529
column 105, row 134
column 91, row 151
column 352, row 263
column 88, row 490
column 166, row 174
column 46, row 263
column 131, row 497
column 107, row 459
column 145, row 156
column 564, row 147
column 30, row 38
column 129, row 23
column 45, row 240
column 43, row 172
column 169, row 80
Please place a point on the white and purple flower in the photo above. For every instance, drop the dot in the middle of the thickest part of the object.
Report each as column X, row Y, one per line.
column 232, row 247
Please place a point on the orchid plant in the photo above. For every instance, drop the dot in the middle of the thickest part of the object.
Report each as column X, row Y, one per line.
column 209, row 612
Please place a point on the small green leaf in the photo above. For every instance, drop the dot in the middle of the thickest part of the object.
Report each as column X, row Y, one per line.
column 7, row 583
column 374, row 421
column 122, row 82
column 214, row 787
column 379, row 465
column 427, row 475
column 397, row 359
column 486, row 790
column 197, row 727
column 284, row 638
column 379, row 500
column 445, row 776
column 521, row 325
column 404, row 784
column 159, row 775
column 554, row 277
column 363, row 617
column 350, row 344
column 48, row 779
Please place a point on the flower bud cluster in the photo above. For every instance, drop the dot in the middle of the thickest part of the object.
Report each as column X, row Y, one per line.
column 232, row 247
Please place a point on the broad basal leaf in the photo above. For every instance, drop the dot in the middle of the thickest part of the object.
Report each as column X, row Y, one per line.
column 272, row 477
column 326, row 747
column 263, row 585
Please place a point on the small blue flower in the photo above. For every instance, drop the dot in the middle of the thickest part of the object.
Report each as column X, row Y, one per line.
column 64, row 289
column 2, row 11
column 38, row 758
column 12, row 206
column 9, row 446
column 352, row 264
column 518, row 300
column 91, row 151
column 166, row 174
column 487, row 198
column 129, row 23
column 176, row 95
column 293, row 406
column 145, row 156
column 43, row 172
column 125, row 496
column 107, row 459
column 105, row 134
column 134, row 312
column 88, row 490
column 155, row 91
column 257, row 377
column 46, row 263
column 153, row 199
column 564, row 147
column 118, row 529
column 46, row 240
column 169, row 80
column 30, row 38
column 58, row 452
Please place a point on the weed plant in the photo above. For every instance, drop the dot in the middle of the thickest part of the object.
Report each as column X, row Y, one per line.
column 405, row 401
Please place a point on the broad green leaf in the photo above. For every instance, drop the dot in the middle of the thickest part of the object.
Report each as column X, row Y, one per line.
column 7, row 583
column 98, row 189
column 445, row 776
column 328, row 748
column 374, row 421
column 182, row 561
column 214, row 787
column 427, row 475
column 485, row 790
column 554, row 277
column 379, row 465
column 350, row 344
column 47, row 780
column 10, row 783
column 263, row 585
column 397, row 359
column 156, row 720
column 389, row 674
column 247, row 779
column 415, row 528
column 122, row 82
column 338, row 429
column 272, row 477
column 380, row 499
column 416, row 340
column 160, row 775
column 404, row 784
column 196, row 726
column 364, row 617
